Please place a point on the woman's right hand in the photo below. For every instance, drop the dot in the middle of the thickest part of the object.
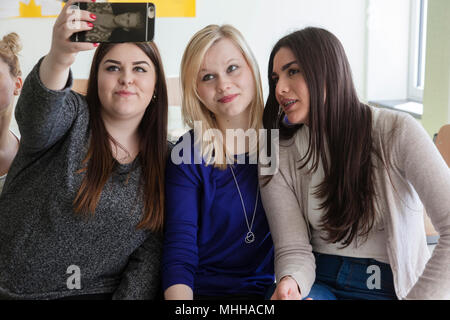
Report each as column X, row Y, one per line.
column 287, row 289
column 69, row 21
column 55, row 67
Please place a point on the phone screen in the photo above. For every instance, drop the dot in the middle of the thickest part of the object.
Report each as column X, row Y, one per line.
column 118, row 22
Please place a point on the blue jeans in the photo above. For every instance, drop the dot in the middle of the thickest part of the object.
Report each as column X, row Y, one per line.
column 346, row 278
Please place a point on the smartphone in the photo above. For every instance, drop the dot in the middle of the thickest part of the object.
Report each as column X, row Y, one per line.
column 117, row 22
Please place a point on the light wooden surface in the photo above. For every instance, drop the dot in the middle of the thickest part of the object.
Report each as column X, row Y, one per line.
column 80, row 86
column 443, row 143
column 174, row 91
column 429, row 229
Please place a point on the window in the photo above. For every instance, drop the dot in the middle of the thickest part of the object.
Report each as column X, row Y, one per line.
column 418, row 31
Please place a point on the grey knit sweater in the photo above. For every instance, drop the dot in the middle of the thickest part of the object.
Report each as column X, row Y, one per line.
column 44, row 245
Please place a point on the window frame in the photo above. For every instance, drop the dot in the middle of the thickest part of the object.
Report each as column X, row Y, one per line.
column 417, row 49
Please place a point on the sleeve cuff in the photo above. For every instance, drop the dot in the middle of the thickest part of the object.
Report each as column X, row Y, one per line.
column 40, row 86
column 175, row 276
column 304, row 279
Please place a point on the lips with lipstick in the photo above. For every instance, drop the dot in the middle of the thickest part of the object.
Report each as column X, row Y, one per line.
column 288, row 103
column 125, row 93
column 228, row 98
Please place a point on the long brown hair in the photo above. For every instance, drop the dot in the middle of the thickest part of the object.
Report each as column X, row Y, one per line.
column 340, row 124
column 152, row 149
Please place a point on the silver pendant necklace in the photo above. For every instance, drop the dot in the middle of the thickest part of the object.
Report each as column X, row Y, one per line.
column 250, row 236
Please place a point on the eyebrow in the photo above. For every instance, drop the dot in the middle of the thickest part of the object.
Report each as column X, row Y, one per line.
column 229, row 61
column 118, row 62
column 283, row 68
column 287, row 65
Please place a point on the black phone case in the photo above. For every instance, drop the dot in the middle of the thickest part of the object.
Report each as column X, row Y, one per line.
column 138, row 22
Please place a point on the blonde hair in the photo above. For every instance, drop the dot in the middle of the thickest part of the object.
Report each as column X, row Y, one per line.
column 192, row 107
column 10, row 46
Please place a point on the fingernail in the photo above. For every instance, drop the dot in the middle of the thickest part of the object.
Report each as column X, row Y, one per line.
column 93, row 16
column 90, row 24
column 96, row 44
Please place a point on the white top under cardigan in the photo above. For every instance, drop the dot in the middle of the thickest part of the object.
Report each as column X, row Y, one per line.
column 375, row 245
column 418, row 173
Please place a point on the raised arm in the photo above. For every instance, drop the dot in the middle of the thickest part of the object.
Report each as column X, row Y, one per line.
column 47, row 107
column 54, row 70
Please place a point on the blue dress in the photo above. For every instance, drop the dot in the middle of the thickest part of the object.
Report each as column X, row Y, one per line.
column 205, row 229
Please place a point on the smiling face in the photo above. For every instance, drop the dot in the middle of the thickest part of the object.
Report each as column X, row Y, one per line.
column 291, row 90
column 126, row 81
column 225, row 82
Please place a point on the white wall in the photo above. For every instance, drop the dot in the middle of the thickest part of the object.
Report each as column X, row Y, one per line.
column 436, row 96
column 262, row 23
column 387, row 51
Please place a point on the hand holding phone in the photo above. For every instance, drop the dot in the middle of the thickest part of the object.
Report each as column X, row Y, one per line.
column 55, row 67
column 69, row 22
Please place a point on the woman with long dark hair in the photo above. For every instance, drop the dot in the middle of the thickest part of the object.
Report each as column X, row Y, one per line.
column 83, row 203
column 345, row 208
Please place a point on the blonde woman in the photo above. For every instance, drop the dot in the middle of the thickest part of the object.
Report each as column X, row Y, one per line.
column 10, row 86
column 217, row 242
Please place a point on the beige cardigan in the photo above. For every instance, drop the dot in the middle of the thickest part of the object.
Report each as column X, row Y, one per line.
column 419, row 175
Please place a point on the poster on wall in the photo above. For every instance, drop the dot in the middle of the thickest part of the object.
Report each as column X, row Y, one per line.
column 51, row 8
column 29, row 8
column 170, row 8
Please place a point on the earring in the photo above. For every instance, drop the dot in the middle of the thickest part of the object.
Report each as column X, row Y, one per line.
column 154, row 97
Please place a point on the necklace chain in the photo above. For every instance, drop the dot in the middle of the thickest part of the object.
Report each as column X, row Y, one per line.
column 250, row 237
